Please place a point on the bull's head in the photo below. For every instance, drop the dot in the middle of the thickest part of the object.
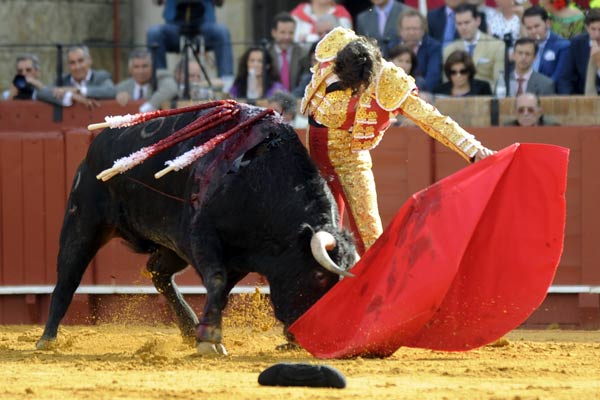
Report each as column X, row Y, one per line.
column 320, row 259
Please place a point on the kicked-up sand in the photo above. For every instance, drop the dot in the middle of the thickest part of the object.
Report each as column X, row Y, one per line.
column 127, row 361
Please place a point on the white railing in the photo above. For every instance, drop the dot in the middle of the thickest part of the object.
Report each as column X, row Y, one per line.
column 133, row 289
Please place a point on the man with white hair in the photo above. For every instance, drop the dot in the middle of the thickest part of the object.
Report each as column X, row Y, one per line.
column 82, row 84
column 529, row 112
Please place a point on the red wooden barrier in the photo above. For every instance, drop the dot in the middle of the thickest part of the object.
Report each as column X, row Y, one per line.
column 38, row 160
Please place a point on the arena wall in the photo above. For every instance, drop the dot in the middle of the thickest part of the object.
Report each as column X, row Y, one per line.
column 40, row 149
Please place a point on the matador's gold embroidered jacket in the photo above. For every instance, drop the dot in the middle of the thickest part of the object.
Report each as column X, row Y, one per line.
column 393, row 92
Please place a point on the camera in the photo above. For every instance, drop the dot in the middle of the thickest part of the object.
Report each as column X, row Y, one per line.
column 24, row 88
column 188, row 16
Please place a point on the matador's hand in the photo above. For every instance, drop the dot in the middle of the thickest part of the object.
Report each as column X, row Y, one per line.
column 483, row 153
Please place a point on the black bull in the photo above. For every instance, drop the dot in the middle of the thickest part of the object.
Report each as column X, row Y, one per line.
column 250, row 205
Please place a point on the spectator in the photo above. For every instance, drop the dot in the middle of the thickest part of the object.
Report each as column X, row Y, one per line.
column 484, row 12
column 82, row 84
column 306, row 15
column 26, row 83
column 567, row 20
column 255, row 80
column 287, row 55
column 380, row 22
column 582, row 69
column 198, row 85
column 553, row 50
column 216, row 36
column 441, row 24
column 524, row 78
column 325, row 24
column 306, row 76
column 460, row 72
column 528, row 112
column 505, row 19
column 139, row 84
column 402, row 56
column 487, row 52
column 412, row 28
column 285, row 104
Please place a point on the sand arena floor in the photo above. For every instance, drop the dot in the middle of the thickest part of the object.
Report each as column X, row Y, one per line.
column 125, row 361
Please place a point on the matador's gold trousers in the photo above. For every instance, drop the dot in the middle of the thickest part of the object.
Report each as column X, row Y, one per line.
column 351, row 180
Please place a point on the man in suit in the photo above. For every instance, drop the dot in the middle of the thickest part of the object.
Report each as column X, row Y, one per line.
column 287, row 56
column 487, row 51
column 412, row 28
column 82, row 84
column 380, row 22
column 528, row 111
column 583, row 67
column 553, row 50
column 524, row 79
column 441, row 24
column 139, row 84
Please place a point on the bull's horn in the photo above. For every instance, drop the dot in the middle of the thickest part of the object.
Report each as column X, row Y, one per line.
column 319, row 244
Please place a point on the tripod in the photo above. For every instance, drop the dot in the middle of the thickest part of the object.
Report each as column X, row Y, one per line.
column 193, row 45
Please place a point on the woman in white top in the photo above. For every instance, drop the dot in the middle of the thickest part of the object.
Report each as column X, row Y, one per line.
column 505, row 18
column 307, row 13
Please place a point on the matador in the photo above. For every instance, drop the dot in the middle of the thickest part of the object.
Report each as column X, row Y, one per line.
column 346, row 122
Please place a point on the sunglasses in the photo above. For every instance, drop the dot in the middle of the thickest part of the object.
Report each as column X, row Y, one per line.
column 459, row 71
column 523, row 110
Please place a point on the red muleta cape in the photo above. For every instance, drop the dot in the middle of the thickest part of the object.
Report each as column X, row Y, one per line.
column 463, row 262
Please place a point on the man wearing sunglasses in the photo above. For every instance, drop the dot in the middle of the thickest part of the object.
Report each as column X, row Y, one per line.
column 528, row 112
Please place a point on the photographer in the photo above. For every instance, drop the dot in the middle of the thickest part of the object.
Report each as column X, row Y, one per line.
column 203, row 22
column 26, row 82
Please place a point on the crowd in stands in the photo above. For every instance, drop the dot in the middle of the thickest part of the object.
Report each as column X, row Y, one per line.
column 461, row 48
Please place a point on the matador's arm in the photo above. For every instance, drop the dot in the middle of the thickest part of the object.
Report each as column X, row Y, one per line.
column 442, row 128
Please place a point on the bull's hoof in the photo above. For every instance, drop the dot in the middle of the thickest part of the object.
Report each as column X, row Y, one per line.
column 289, row 346
column 211, row 349
column 45, row 344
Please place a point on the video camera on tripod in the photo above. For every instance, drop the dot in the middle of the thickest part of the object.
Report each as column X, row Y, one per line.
column 188, row 16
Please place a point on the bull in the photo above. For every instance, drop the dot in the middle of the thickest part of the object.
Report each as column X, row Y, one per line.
column 256, row 203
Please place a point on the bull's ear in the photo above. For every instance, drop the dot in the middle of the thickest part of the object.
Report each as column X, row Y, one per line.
column 306, row 233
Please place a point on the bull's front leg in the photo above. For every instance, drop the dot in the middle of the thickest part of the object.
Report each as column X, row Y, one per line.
column 163, row 264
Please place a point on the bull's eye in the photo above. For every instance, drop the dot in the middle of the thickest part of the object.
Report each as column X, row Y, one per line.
column 321, row 279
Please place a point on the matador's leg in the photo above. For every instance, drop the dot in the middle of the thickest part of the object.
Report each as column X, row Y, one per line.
column 358, row 183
